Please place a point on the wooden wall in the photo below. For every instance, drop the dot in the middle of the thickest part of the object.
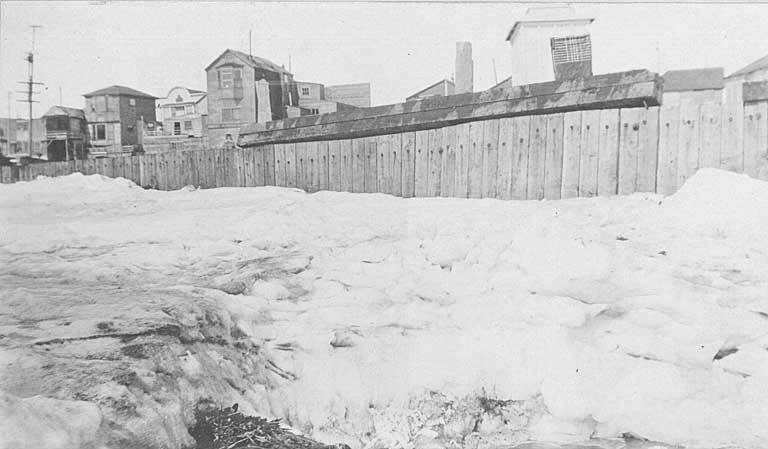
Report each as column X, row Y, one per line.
column 552, row 156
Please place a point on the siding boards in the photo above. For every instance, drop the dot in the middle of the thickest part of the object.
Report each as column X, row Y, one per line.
column 669, row 125
column 504, row 160
column 268, row 152
column 629, row 147
column 435, row 161
column 519, row 152
column 347, row 165
column 302, row 166
column 448, row 169
column 647, row 157
column 553, row 160
column 490, row 159
column 710, row 128
column 280, row 164
column 383, row 167
column 536, row 157
column 688, row 143
column 358, row 169
column 396, row 163
column 408, row 150
column 371, row 181
column 421, row 172
column 475, row 167
column 290, row 165
column 608, row 156
column 571, row 154
column 323, row 166
column 463, row 149
column 334, row 165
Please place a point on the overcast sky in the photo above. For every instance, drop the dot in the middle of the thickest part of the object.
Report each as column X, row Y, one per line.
column 399, row 48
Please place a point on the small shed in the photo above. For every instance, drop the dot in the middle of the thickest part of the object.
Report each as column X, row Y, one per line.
column 701, row 85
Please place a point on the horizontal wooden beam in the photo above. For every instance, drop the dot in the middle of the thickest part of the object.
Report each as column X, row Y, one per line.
column 756, row 91
column 616, row 90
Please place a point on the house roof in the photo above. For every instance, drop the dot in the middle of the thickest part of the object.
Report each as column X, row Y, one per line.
column 693, row 79
column 63, row 110
column 253, row 61
column 430, row 87
column 519, row 24
column 761, row 63
column 119, row 90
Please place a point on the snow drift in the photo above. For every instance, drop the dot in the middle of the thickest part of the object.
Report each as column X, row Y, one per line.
column 390, row 322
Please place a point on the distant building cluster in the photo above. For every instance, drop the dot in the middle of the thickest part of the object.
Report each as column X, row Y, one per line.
column 550, row 43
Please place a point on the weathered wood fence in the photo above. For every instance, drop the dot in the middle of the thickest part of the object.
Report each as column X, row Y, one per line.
column 518, row 154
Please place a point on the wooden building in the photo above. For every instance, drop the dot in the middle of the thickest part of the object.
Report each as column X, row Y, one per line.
column 245, row 89
column 183, row 112
column 531, row 43
column 313, row 97
column 442, row 88
column 693, row 86
column 115, row 115
column 66, row 133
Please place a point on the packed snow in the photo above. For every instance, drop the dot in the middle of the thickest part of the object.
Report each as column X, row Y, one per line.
column 388, row 320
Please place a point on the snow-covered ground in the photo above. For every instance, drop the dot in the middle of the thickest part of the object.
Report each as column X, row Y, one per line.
column 390, row 322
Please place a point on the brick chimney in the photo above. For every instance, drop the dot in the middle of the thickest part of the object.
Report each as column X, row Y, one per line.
column 464, row 68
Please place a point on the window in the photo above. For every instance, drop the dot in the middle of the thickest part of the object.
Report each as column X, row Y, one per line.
column 189, row 109
column 305, row 90
column 188, row 125
column 230, row 114
column 132, row 102
column 178, row 111
column 230, row 77
column 176, row 128
column 571, row 49
column 59, row 123
column 314, row 111
column 101, row 132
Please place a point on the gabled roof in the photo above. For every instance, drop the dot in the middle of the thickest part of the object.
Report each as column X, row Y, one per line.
column 431, row 86
column 63, row 110
column 693, row 79
column 761, row 63
column 253, row 61
column 195, row 91
column 119, row 90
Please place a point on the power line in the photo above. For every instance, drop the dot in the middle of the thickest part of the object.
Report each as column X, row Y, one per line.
column 30, row 83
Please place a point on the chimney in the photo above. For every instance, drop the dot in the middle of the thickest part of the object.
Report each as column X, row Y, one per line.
column 464, row 67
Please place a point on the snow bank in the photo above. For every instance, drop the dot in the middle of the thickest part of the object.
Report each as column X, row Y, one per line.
column 394, row 322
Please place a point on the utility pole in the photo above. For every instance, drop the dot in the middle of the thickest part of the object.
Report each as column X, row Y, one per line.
column 30, row 84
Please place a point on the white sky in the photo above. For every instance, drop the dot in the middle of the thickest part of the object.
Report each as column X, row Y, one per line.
column 399, row 48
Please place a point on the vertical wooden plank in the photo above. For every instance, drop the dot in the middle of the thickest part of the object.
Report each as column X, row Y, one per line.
column 358, row 165
column 537, row 157
column 396, row 164
column 408, row 176
column 647, row 156
column 448, row 169
column 710, row 128
column 608, row 153
column 259, row 156
column 281, row 179
column 136, row 160
column 504, row 164
column 571, row 154
column 313, row 158
column 476, row 154
column 291, row 166
column 669, row 125
column 249, row 169
column 334, row 165
column 731, row 153
column 436, row 148
column 371, row 172
column 521, row 132
column 268, row 160
column 421, row 172
column 323, row 166
column 751, row 138
column 347, row 165
column 205, row 168
column 461, row 182
column 490, row 158
column 240, row 166
column 192, row 177
column 553, row 161
column 629, row 144
column 383, row 167
column 688, row 142
column 302, row 171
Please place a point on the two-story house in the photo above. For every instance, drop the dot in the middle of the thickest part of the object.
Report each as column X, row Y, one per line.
column 183, row 112
column 66, row 133
column 115, row 115
column 245, row 89
column 316, row 98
